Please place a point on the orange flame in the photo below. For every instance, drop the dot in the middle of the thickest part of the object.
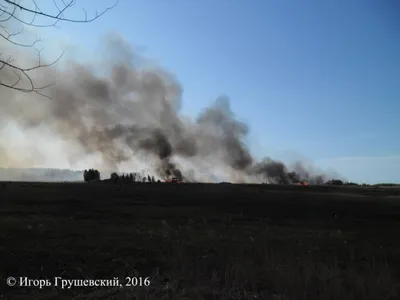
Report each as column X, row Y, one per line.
column 302, row 183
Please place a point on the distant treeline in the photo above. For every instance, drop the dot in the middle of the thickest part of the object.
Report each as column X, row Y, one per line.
column 340, row 182
column 94, row 175
column 131, row 177
column 387, row 184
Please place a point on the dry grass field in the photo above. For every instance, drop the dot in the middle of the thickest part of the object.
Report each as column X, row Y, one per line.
column 201, row 241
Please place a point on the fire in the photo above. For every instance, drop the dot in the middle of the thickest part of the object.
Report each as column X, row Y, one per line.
column 173, row 180
column 303, row 183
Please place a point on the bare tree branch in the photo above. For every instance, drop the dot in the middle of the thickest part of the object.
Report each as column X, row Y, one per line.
column 8, row 13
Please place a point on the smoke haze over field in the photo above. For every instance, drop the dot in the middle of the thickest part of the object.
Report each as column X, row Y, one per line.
column 124, row 113
column 42, row 175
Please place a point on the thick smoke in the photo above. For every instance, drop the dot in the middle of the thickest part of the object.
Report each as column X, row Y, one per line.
column 124, row 111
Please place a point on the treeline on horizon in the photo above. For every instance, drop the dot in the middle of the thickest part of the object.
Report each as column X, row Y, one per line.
column 68, row 175
column 94, row 175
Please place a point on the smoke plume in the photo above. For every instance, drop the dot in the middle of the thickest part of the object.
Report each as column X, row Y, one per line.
column 124, row 111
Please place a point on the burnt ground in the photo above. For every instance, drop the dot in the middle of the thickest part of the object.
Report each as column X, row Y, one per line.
column 201, row 241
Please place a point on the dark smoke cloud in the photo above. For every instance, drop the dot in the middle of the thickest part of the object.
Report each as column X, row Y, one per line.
column 124, row 111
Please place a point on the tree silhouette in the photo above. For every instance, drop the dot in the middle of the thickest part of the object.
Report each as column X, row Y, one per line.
column 96, row 175
column 14, row 11
column 114, row 177
column 91, row 175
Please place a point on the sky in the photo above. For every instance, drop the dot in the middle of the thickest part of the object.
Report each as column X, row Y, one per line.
column 319, row 80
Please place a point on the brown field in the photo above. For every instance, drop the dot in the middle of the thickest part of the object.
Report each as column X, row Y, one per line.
column 201, row 241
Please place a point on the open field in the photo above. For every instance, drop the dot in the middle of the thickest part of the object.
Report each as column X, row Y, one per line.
column 199, row 241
